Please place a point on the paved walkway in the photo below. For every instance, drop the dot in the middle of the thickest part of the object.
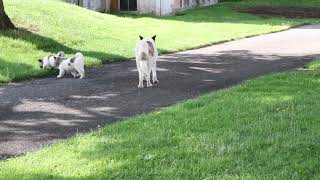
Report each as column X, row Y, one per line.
column 39, row 112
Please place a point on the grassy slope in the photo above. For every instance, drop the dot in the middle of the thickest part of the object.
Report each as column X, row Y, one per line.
column 263, row 128
column 51, row 26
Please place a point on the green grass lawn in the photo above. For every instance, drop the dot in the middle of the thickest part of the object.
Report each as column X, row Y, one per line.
column 261, row 129
column 52, row 25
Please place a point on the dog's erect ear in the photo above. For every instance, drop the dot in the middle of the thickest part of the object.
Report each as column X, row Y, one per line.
column 60, row 54
column 154, row 37
column 140, row 37
column 40, row 60
column 56, row 59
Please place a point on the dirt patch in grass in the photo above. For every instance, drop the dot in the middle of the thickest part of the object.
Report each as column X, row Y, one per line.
column 289, row 12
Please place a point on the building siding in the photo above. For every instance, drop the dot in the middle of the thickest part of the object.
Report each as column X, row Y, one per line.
column 146, row 6
column 157, row 7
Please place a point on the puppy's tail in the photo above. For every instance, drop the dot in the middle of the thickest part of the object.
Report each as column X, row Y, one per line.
column 79, row 55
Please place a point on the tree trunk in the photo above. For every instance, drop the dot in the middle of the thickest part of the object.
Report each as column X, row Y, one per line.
column 5, row 22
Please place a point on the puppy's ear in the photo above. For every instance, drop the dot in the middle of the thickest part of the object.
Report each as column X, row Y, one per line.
column 40, row 60
column 154, row 37
column 140, row 37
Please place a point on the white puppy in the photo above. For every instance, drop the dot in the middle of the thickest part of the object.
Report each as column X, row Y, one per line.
column 146, row 59
column 74, row 65
column 49, row 62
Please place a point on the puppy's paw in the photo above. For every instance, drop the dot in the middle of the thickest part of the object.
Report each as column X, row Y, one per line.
column 155, row 81
column 140, row 86
column 74, row 75
column 59, row 77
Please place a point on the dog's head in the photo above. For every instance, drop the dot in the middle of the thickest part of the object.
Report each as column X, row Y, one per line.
column 44, row 63
column 58, row 58
column 153, row 37
column 40, row 63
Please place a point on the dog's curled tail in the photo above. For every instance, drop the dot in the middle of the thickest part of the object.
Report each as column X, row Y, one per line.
column 79, row 55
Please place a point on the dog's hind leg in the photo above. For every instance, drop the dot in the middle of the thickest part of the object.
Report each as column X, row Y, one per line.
column 81, row 72
column 148, row 79
column 140, row 85
column 74, row 74
column 61, row 73
column 154, row 73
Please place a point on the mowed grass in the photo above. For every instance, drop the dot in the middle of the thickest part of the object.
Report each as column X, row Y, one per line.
column 267, row 128
column 52, row 25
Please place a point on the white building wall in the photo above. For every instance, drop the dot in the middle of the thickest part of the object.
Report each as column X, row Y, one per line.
column 168, row 7
column 146, row 6
column 96, row 5
column 158, row 7
column 202, row 2
column 209, row 2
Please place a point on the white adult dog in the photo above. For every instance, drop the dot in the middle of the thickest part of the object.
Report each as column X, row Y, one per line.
column 146, row 59
column 74, row 65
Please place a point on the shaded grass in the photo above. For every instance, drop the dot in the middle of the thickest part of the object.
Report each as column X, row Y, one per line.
column 267, row 128
column 52, row 25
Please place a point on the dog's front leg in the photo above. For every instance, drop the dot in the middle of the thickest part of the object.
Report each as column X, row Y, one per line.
column 61, row 73
column 74, row 74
